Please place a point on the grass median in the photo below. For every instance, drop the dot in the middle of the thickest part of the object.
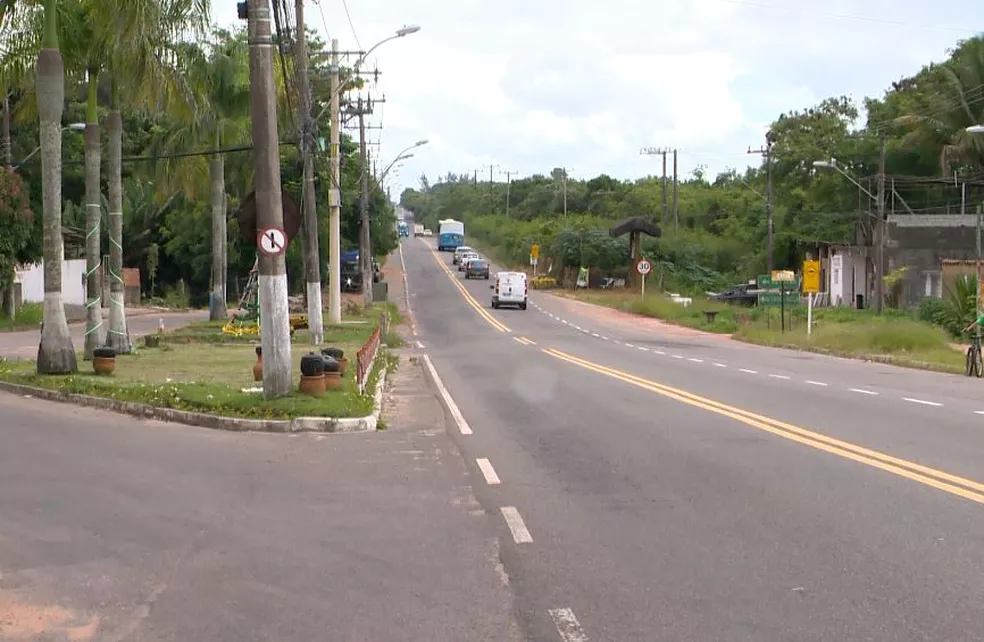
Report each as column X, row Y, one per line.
column 895, row 336
column 200, row 369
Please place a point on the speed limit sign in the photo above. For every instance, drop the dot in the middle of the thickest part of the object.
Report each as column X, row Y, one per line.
column 643, row 267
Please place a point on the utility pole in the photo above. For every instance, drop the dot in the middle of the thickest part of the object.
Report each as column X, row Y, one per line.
column 274, row 315
column 312, row 253
column 365, row 246
column 676, row 209
column 334, row 196
column 508, row 186
column 491, row 180
column 880, row 236
column 767, row 152
column 564, row 169
column 660, row 151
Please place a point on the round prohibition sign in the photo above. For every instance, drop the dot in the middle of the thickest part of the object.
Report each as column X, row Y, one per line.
column 272, row 241
column 643, row 267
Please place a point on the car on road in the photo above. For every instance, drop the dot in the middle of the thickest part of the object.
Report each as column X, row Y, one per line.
column 428, row 232
column 463, row 260
column 477, row 269
column 461, row 249
column 510, row 288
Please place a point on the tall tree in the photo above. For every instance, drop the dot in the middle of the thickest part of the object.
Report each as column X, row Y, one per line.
column 56, row 354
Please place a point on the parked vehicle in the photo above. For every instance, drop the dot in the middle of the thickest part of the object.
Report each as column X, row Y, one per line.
column 428, row 232
column 737, row 295
column 477, row 269
column 458, row 252
column 352, row 271
column 510, row 288
column 450, row 235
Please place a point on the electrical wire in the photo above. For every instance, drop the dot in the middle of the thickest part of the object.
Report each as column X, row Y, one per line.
column 351, row 24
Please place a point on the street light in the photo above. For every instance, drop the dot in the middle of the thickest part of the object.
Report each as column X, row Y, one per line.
column 975, row 129
column 832, row 164
column 78, row 127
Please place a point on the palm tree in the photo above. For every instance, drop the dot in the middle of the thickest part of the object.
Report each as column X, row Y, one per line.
column 144, row 61
column 953, row 104
column 220, row 79
column 56, row 354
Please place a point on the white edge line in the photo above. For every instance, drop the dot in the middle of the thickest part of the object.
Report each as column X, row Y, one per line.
column 863, row 391
column 815, row 383
column 491, row 478
column 567, row 625
column 521, row 534
column 935, row 404
column 459, row 419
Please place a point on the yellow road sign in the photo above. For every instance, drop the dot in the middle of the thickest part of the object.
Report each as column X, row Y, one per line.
column 811, row 277
column 535, row 251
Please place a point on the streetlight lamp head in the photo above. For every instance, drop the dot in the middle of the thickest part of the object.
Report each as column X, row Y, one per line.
column 407, row 30
column 975, row 129
column 422, row 142
column 827, row 164
column 77, row 127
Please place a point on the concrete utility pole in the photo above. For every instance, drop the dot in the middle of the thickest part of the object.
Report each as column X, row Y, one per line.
column 767, row 152
column 274, row 313
column 880, row 236
column 334, row 196
column 365, row 244
column 676, row 209
column 509, row 175
column 312, row 253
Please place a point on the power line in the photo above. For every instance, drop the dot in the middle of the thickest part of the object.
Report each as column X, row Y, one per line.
column 351, row 24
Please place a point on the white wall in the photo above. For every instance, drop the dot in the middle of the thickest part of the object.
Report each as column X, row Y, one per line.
column 846, row 278
column 31, row 278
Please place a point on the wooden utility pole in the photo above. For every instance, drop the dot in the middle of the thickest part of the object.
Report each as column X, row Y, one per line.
column 661, row 151
column 312, row 252
column 274, row 313
column 767, row 152
column 676, row 209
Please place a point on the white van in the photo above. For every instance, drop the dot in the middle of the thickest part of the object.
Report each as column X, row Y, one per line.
column 510, row 288
column 458, row 251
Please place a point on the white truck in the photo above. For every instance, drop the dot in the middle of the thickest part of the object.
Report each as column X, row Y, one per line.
column 418, row 229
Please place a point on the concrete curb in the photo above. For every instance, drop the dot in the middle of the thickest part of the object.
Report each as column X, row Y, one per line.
column 369, row 423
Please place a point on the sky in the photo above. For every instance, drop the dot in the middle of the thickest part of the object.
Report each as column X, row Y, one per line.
column 528, row 85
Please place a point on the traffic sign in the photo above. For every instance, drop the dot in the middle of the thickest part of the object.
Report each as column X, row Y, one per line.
column 643, row 267
column 535, row 251
column 784, row 276
column 272, row 241
column 811, row 277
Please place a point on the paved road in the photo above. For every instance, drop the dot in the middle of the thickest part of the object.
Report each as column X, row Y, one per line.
column 24, row 344
column 116, row 530
column 660, row 484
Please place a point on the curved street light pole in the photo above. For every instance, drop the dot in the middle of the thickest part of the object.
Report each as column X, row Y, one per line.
column 78, row 127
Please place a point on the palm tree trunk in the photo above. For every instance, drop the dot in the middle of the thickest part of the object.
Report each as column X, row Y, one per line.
column 118, row 337
column 93, row 222
column 56, row 354
column 219, row 306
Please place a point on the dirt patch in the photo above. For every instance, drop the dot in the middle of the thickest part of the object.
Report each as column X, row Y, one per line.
column 20, row 621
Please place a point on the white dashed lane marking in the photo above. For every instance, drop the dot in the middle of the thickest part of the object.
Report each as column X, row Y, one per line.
column 748, row 371
column 778, row 376
column 695, row 360
column 720, row 365
column 922, row 401
column 520, row 534
column 491, row 478
column 816, row 383
column 568, row 626
column 863, row 391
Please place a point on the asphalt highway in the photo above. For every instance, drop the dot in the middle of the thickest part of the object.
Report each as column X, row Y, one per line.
column 654, row 483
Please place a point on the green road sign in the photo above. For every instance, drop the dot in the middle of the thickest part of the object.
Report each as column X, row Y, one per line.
column 772, row 299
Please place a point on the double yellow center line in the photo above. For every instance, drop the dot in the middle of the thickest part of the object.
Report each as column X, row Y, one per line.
column 472, row 301
column 966, row 488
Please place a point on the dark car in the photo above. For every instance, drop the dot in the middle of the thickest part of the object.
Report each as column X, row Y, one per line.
column 737, row 295
column 477, row 268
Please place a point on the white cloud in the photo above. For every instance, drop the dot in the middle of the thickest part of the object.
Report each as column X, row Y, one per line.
column 528, row 86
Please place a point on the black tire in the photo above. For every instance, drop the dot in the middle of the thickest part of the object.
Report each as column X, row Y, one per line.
column 486, row 277
column 522, row 306
column 969, row 369
column 104, row 353
column 333, row 352
column 312, row 365
column 330, row 364
column 495, row 306
column 978, row 364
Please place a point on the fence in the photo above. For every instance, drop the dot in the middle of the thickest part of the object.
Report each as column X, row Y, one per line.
column 366, row 355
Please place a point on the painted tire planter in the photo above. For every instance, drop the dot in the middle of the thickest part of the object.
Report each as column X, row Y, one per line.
column 333, row 380
column 313, row 385
column 258, row 366
column 338, row 355
column 103, row 361
column 331, row 365
column 312, row 365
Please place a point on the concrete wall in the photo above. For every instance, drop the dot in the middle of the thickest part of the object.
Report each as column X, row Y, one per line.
column 921, row 242
column 31, row 279
column 846, row 277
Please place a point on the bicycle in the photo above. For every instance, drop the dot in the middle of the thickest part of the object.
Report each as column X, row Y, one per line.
column 975, row 362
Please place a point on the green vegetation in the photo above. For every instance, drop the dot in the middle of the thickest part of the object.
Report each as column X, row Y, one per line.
column 27, row 317
column 720, row 239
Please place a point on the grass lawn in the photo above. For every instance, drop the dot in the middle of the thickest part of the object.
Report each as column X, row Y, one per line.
column 195, row 370
column 27, row 317
column 894, row 336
